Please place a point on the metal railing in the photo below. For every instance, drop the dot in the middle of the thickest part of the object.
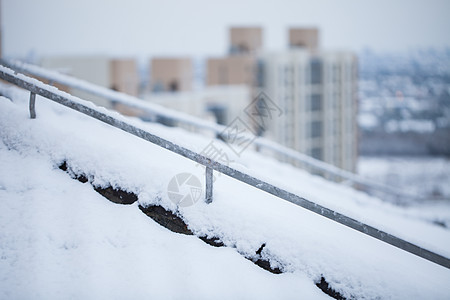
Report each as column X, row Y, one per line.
column 38, row 88
column 320, row 167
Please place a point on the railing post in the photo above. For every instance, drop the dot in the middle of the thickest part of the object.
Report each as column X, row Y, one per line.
column 32, row 105
column 209, row 185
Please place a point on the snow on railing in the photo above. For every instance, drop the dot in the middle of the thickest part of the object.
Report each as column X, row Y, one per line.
column 329, row 171
column 88, row 108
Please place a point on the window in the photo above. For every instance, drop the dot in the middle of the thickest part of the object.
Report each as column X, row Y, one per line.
column 317, row 153
column 173, row 86
column 316, row 129
column 260, row 73
column 316, row 71
column 316, row 102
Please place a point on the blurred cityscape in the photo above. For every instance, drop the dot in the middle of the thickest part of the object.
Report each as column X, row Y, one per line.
column 313, row 91
column 404, row 120
column 361, row 112
column 405, row 102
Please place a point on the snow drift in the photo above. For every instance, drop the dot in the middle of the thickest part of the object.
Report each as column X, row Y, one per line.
column 60, row 238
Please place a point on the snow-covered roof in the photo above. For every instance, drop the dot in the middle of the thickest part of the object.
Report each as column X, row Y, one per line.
column 64, row 237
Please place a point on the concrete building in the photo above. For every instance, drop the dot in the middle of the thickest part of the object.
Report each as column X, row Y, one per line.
column 118, row 74
column 124, row 76
column 315, row 90
column 232, row 70
column 245, row 40
column 240, row 66
column 171, row 74
column 307, row 38
column 318, row 96
column 219, row 104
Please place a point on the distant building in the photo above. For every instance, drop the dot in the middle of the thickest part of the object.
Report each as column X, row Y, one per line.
column 118, row 74
column 232, row 70
column 240, row 66
column 171, row 74
column 245, row 40
column 317, row 93
column 218, row 104
column 307, row 38
column 124, row 76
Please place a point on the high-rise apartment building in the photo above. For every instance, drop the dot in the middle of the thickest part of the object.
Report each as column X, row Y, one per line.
column 317, row 94
column 315, row 90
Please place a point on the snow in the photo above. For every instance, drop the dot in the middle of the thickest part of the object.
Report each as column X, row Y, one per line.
column 60, row 239
column 188, row 121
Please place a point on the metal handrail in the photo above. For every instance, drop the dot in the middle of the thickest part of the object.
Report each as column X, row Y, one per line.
column 179, row 117
column 87, row 108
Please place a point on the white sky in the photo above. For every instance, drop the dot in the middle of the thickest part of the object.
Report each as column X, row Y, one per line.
column 200, row 27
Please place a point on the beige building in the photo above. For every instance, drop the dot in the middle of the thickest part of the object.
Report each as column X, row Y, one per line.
column 245, row 40
column 119, row 74
column 171, row 74
column 231, row 70
column 240, row 67
column 307, row 38
column 124, row 76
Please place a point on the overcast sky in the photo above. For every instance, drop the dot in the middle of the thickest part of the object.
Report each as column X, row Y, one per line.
column 145, row 28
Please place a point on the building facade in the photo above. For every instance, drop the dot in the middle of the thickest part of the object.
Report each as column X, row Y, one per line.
column 307, row 38
column 171, row 74
column 240, row 66
column 318, row 96
column 124, row 76
column 117, row 74
column 232, row 70
column 315, row 90
column 245, row 40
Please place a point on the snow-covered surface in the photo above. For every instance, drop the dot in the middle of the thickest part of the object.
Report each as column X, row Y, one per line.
column 191, row 122
column 59, row 239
